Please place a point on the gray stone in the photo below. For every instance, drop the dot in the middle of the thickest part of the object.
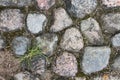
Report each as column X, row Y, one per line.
column 62, row 20
column 11, row 19
column 72, row 40
column 2, row 43
column 66, row 65
column 81, row 8
column 92, row 32
column 20, row 45
column 47, row 75
column 95, row 59
column 45, row 4
column 111, row 3
column 38, row 65
column 111, row 22
column 24, row 76
column 116, row 41
column 48, row 43
column 80, row 78
column 18, row 3
column 1, row 78
column 36, row 22
column 116, row 64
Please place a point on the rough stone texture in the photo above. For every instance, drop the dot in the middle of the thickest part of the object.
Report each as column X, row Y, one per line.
column 2, row 43
column 36, row 22
column 62, row 20
column 20, row 45
column 18, row 3
column 116, row 64
column 95, row 59
column 24, row 76
column 47, row 42
column 72, row 40
column 47, row 75
column 111, row 3
column 107, row 77
column 11, row 19
column 38, row 65
column 92, row 32
column 116, row 41
column 111, row 22
column 66, row 65
column 45, row 4
column 80, row 8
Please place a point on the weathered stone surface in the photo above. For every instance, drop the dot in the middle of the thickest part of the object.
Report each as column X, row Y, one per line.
column 111, row 3
column 62, row 20
column 11, row 19
column 2, row 43
column 116, row 64
column 116, row 41
column 47, row 42
column 111, row 22
column 20, row 45
column 107, row 77
column 92, row 32
column 95, row 59
column 47, row 75
column 72, row 40
column 45, row 4
column 36, row 22
column 66, row 65
column 81, row 8
column 18, row 3
column 24, row 76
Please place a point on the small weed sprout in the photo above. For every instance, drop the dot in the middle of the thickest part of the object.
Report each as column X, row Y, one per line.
column 35, row 51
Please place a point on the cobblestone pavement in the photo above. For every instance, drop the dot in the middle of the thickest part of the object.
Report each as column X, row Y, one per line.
column 73, row 39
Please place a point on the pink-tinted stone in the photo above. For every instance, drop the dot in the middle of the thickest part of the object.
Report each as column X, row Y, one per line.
column 111, row 3
column 45, row 4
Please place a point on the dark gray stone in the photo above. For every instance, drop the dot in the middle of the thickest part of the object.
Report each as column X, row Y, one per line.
column 111, row 22
column 80, row 8
column 92, row 32
column 36, row 22
column 66, row 65
column 95, row 59
column 11, row 19
column 2, row 43
column 20, row 45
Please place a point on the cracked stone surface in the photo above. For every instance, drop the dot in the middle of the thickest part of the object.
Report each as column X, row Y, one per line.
column 66, row 65
column 92, row 32
column 36, row 22
column 72, row 40
column 11, row 19
column 81, row 8
column 111, row 22
column 95, row 59
column 62, row 20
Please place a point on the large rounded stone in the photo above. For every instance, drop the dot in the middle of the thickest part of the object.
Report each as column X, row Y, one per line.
column 20, row 45
column 72, row 40
column 66, row 65
column 111, row 3
column 62, row 20
column 111, row 22
column 116, row 41
column 14, row 3
column 81, row 8
column 36, row 22
column 95, row 59
column 45, row 4
column 11, row 19
column 92, row 32
column 48, row 43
